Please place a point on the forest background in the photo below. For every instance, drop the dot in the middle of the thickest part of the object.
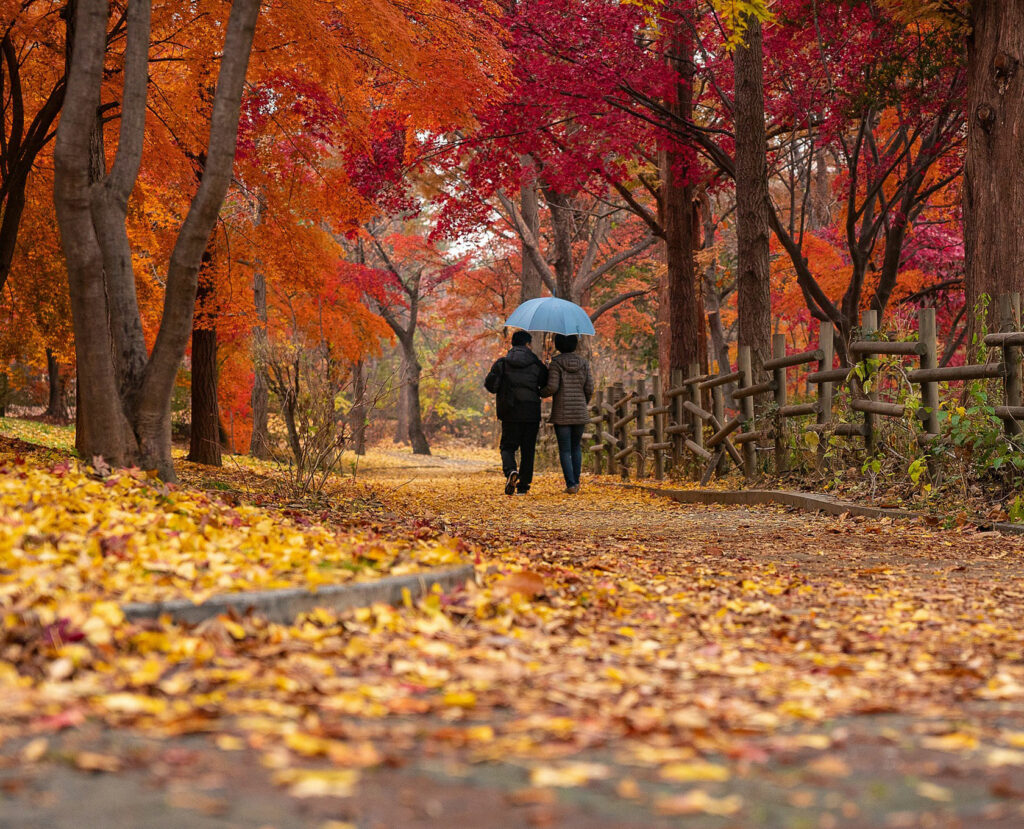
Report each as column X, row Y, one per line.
column 697, row 175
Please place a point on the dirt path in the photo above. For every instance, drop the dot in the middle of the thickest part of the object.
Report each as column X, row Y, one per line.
column 626, row 661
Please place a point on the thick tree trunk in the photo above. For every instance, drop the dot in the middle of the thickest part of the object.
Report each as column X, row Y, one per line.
column 663, row 325
column 103, row 427
column 57, row 406
column 125, row 399
column 204, row 437
column 357, row 414
column 562, row 232
column 994, row 174
column 530, row 279
column 754, row 295
column 259, row 440
column 204, row 441
column 685, row 316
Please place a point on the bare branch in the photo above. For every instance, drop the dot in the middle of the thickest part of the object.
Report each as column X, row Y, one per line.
column 612, row 303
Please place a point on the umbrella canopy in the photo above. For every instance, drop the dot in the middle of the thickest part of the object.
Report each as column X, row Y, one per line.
column 559, row 316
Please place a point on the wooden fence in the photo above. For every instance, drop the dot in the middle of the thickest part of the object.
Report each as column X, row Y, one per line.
column 684, row 422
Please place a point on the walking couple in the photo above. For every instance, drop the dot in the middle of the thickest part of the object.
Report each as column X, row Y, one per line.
column 520, row 380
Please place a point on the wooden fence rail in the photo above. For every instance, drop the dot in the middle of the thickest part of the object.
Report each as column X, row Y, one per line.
column 682, row 423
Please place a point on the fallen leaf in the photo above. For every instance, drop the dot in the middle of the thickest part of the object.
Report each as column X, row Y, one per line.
column 90, row 761
column 34, row 750
column 829, row 766
column 318, row 782
column 698, row 801
column 933, row 791
column 692, row 772
column 526, row 583
column 568, row 775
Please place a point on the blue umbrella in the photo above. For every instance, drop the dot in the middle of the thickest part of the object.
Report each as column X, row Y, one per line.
column 548, row 313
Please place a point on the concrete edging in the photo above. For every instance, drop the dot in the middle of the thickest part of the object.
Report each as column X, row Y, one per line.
column 285, row 604
column 806, row 501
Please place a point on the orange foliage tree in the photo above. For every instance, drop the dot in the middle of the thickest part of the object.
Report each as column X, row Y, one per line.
column 295, row 174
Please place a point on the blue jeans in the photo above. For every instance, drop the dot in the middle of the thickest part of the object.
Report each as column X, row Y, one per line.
column 570, row 452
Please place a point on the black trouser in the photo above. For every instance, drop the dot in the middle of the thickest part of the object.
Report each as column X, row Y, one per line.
column 521, row 436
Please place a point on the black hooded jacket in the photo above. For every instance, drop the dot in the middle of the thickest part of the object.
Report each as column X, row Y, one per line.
column 517, row 379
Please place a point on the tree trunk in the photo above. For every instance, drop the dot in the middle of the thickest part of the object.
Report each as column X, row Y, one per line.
column 410, row 401
column 289, row 405
column 994, row 173
column 259, row 440
column 103, row 427
column 530, row 281
column 204, row 436
column 402, row 406
column 13, row 208
column 125, row 411
column 685, row 316
column 754, row 295
column 719, row 348
column 24, row 142
column 562, row 232
column 821, row 197
column 57, row 407
column 357, row 414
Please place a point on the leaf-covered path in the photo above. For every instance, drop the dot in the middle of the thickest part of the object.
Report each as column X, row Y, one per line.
column 624, row 661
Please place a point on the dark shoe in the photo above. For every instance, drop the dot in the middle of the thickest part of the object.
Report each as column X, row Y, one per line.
column 510, row 484
column 572, row 490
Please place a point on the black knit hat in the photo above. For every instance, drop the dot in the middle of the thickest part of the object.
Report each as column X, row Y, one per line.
column 521, row 338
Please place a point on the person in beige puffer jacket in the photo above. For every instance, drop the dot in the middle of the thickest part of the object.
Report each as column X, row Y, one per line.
column 572, row 385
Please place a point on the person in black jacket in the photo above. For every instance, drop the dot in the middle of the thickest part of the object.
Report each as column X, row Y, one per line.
column 516, row 380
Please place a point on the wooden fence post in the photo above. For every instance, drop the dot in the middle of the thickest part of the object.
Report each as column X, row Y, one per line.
column 826, row 342
column 604, row 400
column 747, row 409
column 596, row 420
column 692, row 373
column 641, row 426
column 718, row 410
column 868, row 326
column 779, row 376
column 659, row 430
column 1011, row 359
column 929, row 411
column 621, row 431
column 614, row 392
column 678, row 439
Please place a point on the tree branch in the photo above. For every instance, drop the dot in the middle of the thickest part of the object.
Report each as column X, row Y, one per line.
column 611, row 303
column 529, row 241
column 588, row 281
column 133, row 109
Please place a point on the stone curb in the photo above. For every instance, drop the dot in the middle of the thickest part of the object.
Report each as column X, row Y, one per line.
column 799, row 500
column 284, row 605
